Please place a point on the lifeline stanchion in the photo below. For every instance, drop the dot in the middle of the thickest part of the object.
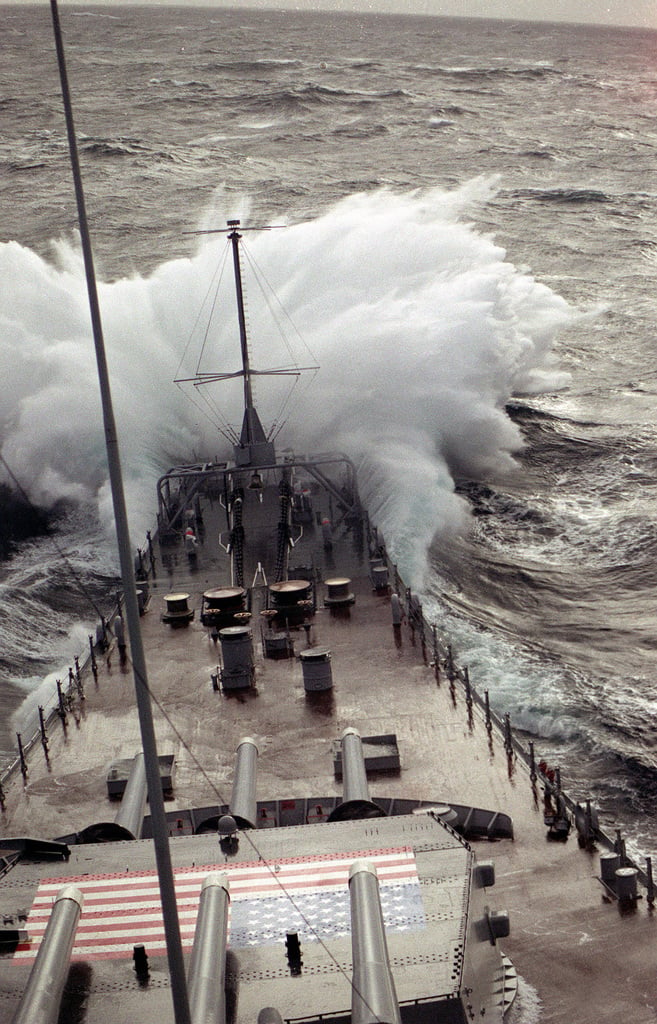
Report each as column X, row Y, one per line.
column 508, row 736
column 93, row 662
column 436, row 654
column 75, row 680
column 21, row 754
column 78, row 678
column 532, row 763
column 489, row 720
column 650, row 884
column 3, row 803
column 61, row 709
column 44, row 734
column 468, row 691
column 151, row 553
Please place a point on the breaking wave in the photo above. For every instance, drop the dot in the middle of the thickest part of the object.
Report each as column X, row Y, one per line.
column 421, row 327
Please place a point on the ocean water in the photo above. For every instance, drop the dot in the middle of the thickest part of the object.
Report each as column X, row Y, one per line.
column 470, row 255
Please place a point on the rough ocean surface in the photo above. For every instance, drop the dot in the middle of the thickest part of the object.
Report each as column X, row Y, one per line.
column 471, row 257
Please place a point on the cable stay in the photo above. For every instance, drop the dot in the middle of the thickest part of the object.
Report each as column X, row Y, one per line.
column 253, row 446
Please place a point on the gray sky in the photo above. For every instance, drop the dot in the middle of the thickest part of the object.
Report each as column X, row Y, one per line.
column 638, row 13
column 642, row 13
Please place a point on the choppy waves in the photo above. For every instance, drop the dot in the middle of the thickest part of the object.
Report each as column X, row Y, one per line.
column 474, row 330
column 547, row 591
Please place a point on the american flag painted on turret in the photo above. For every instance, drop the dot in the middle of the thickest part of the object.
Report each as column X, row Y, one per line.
column 308, row 895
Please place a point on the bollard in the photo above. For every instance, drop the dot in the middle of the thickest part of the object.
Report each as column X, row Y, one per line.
column 609, row 865
column 626, row 885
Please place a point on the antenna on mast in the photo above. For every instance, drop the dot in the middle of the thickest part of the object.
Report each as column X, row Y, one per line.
column 254, row 447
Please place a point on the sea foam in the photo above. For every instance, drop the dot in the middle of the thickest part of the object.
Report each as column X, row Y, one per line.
column 421, row 328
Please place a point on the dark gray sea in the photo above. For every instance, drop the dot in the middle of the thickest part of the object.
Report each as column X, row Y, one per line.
column 471, row 257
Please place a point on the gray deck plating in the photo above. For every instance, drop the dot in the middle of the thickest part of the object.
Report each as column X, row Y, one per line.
column 588, row 961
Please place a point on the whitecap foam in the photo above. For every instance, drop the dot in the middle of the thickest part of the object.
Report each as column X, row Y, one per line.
column 421, row 327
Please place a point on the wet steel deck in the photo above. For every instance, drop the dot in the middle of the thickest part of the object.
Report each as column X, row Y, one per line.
column 588, row 961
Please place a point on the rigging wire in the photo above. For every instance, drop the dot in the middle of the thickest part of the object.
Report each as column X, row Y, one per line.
column 270, row 296
column 216, row 277
column 262, row 860
column 276, row 307
column 246, row 833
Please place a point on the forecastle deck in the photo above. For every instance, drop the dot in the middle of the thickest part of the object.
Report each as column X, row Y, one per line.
column 588, row 960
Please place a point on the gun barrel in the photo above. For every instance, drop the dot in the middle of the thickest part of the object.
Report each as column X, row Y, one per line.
column 373, row 995
column 43, row 993
column 130, row 815
column 243, row 803
column 356, row 801
column 207, row 968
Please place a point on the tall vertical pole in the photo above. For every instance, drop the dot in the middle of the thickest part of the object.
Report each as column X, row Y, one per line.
column 160, row 836
column 248, row 396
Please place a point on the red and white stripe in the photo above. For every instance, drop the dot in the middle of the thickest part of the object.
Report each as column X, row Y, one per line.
column 123, row 910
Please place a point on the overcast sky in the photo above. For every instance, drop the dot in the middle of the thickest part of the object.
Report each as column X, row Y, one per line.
column 640, row 13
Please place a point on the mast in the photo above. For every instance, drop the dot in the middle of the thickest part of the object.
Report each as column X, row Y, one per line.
column 235, row 237
column 254, row 448
column 160, row 835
